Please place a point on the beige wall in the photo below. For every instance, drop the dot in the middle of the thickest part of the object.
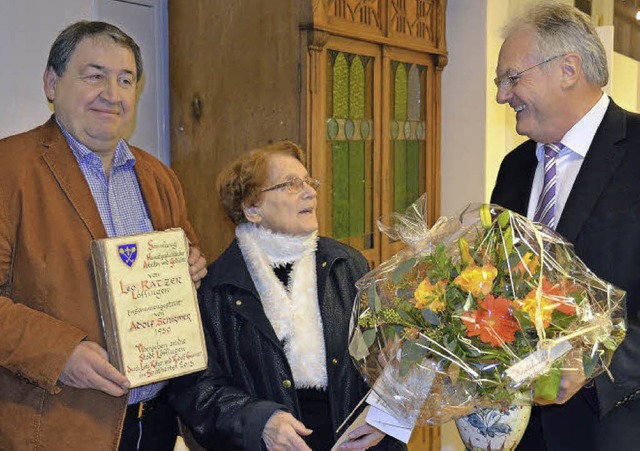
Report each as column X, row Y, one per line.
column 624, row 84
column 464, row 100
column 500, row 120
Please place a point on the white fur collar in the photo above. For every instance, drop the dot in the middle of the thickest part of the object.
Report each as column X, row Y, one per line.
column 294, row 312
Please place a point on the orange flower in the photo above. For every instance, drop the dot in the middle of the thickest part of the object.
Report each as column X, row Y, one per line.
column 567, row 303
column 528, row 264
column 430, row 296
column 552, row 298
column 492, row 321
column 476, row 280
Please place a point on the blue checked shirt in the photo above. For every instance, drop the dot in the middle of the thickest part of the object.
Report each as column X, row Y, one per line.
column 121, row 206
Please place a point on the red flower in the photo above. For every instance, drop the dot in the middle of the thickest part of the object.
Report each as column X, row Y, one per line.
column 492, row 321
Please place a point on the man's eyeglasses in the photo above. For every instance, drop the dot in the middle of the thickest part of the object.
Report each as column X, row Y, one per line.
column 510, row 80
column 294, row 185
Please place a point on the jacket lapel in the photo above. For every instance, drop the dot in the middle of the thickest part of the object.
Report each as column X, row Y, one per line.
column 513, row 186
column 522, row 192
column 64, row 168
column 600, row 164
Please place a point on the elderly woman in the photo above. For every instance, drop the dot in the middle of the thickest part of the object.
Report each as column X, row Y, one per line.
column 276, row 307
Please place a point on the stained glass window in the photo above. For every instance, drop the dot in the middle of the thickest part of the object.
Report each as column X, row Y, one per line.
column 407, row 133
column 350, row 146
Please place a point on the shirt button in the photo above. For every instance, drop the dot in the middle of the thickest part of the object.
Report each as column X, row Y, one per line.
column 238, row 302
column 286, row 383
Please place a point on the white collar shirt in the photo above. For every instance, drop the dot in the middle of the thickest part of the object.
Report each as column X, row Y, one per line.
column 576, row 144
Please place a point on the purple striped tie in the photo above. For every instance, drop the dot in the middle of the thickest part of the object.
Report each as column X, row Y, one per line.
column 546, row 209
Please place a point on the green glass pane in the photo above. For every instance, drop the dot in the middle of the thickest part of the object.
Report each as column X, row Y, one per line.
column 399, row 175
column 332, row 129
column 340, row 173
column 400, row 91
column 356, row 90
column 349, row 128
column 413, row 172
column 413, row 88
column 365, row 129
column 349, row 132
column 423, row 89
column 340, row 87
column 356, row 179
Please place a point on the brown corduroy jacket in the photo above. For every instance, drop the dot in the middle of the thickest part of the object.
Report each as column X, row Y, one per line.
column 48, row 302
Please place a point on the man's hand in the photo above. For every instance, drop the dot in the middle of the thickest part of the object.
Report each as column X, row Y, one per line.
column 361, row 438
column 571, row 381
column 197, row 265
column 89, row 367
column 282, row 433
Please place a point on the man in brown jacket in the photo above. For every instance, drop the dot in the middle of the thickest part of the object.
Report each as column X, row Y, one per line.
column 62, row 185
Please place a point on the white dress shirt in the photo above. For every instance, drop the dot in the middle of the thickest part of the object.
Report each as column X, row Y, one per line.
column 576, row 144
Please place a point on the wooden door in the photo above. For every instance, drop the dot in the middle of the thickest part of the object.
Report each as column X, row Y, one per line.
column 234, row 85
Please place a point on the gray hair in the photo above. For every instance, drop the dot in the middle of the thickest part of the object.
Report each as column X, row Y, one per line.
column 560, row 29
column 69, row 38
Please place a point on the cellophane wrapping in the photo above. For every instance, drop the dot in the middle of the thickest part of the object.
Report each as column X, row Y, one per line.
column 486, row 309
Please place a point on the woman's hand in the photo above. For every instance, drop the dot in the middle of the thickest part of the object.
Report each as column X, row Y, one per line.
column 282, row 433
column 361, row 438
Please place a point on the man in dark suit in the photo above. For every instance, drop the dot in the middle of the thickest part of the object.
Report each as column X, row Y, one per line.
column 551, row 70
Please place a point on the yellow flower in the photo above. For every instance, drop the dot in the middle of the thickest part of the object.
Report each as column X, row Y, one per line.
column 529, row 305
column 430, row 296
column 465, row 255
column 552, row 298
column 476, row 280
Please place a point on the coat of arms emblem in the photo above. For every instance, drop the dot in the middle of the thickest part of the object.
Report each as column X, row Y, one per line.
column 128, row 253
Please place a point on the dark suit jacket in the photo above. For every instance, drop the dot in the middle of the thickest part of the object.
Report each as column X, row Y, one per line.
column 602, row 219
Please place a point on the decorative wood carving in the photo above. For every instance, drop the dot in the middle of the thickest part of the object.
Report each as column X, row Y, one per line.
column 316, row 40
column 416, row 18
column 364, row 12
column 441, row 62
column 414, row 24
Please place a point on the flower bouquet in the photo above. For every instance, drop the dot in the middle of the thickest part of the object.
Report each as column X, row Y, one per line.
column 485, row 310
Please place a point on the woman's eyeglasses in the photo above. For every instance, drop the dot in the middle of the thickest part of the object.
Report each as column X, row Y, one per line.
column 294, row 185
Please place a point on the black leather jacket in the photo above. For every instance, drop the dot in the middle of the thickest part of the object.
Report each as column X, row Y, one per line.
column 248, row 376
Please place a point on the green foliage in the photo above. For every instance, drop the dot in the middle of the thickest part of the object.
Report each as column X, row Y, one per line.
column 374, row 299
column 404, row 267
column 440, row 264
column 589, row 363
column 412, row 354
